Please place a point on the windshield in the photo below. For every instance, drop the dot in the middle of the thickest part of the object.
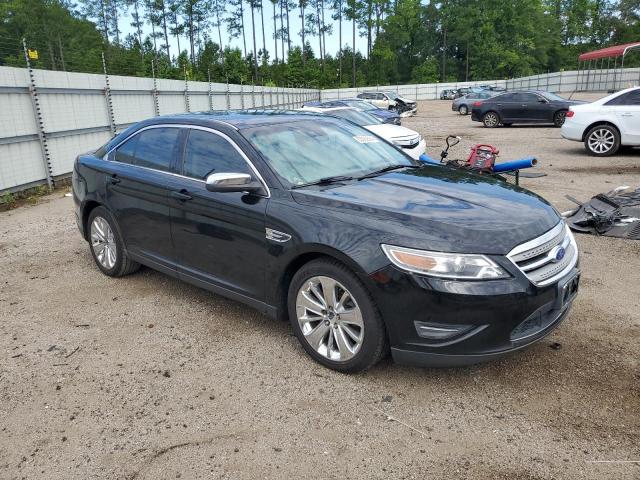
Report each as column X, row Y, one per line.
column 392, row 94
column 306, row 151
column 553, row 96
column 356, row 116
column 365, row 106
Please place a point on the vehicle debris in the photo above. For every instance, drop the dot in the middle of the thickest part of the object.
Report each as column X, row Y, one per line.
column 613, row 214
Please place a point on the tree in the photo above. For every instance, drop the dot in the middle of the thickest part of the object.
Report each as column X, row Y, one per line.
column 235, row 22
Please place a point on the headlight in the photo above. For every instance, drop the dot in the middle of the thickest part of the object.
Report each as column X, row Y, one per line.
column 456, row 266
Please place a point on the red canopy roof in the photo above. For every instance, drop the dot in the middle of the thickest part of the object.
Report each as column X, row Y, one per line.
column 615, row 51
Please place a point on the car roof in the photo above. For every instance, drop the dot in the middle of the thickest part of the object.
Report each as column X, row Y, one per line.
column 328, row 109
column 237, row 119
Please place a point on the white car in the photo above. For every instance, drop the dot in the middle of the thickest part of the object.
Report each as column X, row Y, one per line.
column 411, row 142
column 391, row 101
column 606, row 124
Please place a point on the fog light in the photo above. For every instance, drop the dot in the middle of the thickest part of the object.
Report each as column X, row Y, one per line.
column 440, row 331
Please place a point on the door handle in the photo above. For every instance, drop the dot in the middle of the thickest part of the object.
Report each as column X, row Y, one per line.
column 627, row 114
column 114, row 179
column 182, row 195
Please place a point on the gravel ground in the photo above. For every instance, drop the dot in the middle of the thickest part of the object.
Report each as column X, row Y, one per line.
column 146, row 377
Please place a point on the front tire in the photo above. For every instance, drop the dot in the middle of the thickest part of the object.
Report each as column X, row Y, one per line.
column 334, row 317
column 559, row 118
column 106, row 245
column 491, row 120
column 463, row 110
column 602, row 141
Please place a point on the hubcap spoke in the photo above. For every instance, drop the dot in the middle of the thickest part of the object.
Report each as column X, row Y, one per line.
column 317, row 336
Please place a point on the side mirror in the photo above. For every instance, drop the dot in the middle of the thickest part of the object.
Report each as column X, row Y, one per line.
column 233, row 182
column 541, row 100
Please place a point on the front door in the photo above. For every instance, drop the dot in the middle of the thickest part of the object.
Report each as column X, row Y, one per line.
column 219, row 237
column 137, row 192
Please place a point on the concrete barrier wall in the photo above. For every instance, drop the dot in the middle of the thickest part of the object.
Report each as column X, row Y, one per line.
column 70, row 113
column 75, row 113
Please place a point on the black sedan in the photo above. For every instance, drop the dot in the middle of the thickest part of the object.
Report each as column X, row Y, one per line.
column 522, row 107
column 314, row 219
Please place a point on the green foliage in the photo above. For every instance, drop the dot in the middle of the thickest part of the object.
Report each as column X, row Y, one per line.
column 407, row 40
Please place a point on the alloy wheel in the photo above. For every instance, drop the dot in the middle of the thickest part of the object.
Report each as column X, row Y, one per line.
column 103, row 242
column 601, row 140
column 329, row 318
column 463, row 110
column 560, row 118
column 491, row 120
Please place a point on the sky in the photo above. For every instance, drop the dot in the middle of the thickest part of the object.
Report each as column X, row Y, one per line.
column 294, row 19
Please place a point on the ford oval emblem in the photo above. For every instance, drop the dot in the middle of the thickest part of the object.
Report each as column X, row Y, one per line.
column 560, row 254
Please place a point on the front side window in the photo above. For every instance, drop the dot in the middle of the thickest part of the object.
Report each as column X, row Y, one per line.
column 309, row 150
column 207, row 153
column 153, row 148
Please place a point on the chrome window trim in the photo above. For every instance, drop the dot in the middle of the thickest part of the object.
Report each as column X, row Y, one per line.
column 193, row 127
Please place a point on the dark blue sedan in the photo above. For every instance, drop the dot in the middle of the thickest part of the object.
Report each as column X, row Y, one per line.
column 387, row 116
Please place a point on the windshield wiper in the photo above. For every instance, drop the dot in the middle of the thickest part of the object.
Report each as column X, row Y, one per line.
column 386, row 169
column 325, row 181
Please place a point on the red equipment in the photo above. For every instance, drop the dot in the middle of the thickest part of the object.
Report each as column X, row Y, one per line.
column 482, row 157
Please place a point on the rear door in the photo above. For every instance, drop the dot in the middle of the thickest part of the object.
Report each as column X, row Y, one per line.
column 627, row 110
column 219, row 237
column 137, row 192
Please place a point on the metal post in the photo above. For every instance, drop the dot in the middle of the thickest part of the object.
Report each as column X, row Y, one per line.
column 615, row 72
column 242, row 95
column 622, row 71
column 271, row 98
column 606, row 83
column 154, row 92
column 186, row 91
column 262, row 95
column 37, row 111
column 253, row 95
column 210, row 92
column 228, row 96
column 107, row 96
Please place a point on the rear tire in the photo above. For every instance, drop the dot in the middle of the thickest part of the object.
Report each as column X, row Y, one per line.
column 559, row 118
column 602, row 141
column 334, row 317
column 491, row 120
column 106, row 245
column 463, row 110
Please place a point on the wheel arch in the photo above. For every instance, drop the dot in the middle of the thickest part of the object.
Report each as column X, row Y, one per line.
column 87, row 208
column 597, row 124
column 309, row 254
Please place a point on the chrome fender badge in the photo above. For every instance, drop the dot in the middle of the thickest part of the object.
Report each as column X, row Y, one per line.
column 276, row 235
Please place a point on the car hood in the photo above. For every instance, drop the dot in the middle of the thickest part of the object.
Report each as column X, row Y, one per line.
column 389, row 131
column 437, row 208
column 405, row 100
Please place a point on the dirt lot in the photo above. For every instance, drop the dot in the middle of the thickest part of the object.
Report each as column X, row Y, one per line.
column 146, row 377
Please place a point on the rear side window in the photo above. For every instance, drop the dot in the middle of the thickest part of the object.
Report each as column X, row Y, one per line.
column 154, row 148
column 208, row 153
column 631, row 98
column 507, row 97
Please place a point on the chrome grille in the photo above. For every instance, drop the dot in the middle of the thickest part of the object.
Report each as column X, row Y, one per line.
column 538, row 258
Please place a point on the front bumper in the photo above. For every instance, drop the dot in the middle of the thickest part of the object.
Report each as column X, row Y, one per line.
column 416, row 151
column 500, row 316
column 407, row 110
